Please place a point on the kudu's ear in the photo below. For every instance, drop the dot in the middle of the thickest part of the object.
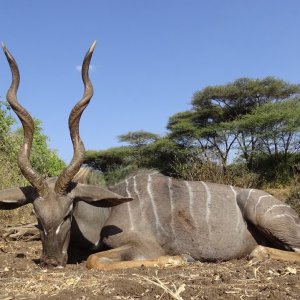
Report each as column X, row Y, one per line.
column 97, row 196
column 16, row 197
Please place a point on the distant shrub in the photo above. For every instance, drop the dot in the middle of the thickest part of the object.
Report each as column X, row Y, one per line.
column 199, row 168
column 294, row 197
column 275, row 170
column 118, row 174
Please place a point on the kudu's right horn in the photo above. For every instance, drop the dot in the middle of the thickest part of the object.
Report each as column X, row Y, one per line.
column 71, row 170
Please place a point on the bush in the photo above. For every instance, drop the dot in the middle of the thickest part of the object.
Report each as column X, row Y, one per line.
column 110, row 159
column 294, row 197
column 275, row 170
column 118, row 174
column 196, row 167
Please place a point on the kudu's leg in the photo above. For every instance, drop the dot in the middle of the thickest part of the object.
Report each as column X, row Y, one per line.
column 112, row 260
column 262, row 253
column 278, row 222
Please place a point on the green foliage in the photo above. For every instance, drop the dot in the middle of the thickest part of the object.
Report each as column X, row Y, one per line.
column 44, row 160
column 161, row 154
column 198, row 166
column 118, row 162
column 115, row 163
column 6, row 121
column 110, row 159
column 9, row 170
column 294, row 196
column 241, row 96
column 138, row 139
column 138, row 142
column 246, row 116
column 275, row 170
column 118, row 174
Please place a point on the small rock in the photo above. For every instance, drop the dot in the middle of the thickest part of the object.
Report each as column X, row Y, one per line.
column 21, row 255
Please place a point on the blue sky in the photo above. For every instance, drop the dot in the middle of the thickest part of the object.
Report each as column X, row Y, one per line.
column 151, row 56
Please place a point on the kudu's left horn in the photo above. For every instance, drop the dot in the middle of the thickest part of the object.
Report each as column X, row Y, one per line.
column 71, row 170
column 29, row 173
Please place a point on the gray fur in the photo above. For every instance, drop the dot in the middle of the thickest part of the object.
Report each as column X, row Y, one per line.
column 208, row 221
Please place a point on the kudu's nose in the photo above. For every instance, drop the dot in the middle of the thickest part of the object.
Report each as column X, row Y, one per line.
column 50, row 262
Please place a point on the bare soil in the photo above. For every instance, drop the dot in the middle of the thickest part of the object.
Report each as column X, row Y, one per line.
column 22, row 278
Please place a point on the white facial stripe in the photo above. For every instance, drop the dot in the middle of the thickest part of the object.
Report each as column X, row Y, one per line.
column 58, row 228
column 70, row 209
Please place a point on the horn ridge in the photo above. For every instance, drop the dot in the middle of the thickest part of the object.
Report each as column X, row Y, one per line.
column 74, row 119
column 36, row 180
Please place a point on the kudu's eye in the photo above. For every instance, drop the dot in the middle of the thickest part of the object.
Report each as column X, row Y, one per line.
column 40, row 226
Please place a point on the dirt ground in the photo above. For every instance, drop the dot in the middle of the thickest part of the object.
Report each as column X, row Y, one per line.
column 22, row 278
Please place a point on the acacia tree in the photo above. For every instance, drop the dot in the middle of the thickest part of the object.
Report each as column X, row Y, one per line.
column 275, row 126
column 138, row 140
column 215, row 109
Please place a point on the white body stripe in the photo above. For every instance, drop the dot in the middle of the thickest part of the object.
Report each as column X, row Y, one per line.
column 238, row 210
column 128, row 206
column 191, row 201
column 208, row 204
column 140, row 199
column 150, row 193
column 278, row 205
column 246, row 202
column 258, row 202
column 286, row 215
column 234, row 192
column 172, row 209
